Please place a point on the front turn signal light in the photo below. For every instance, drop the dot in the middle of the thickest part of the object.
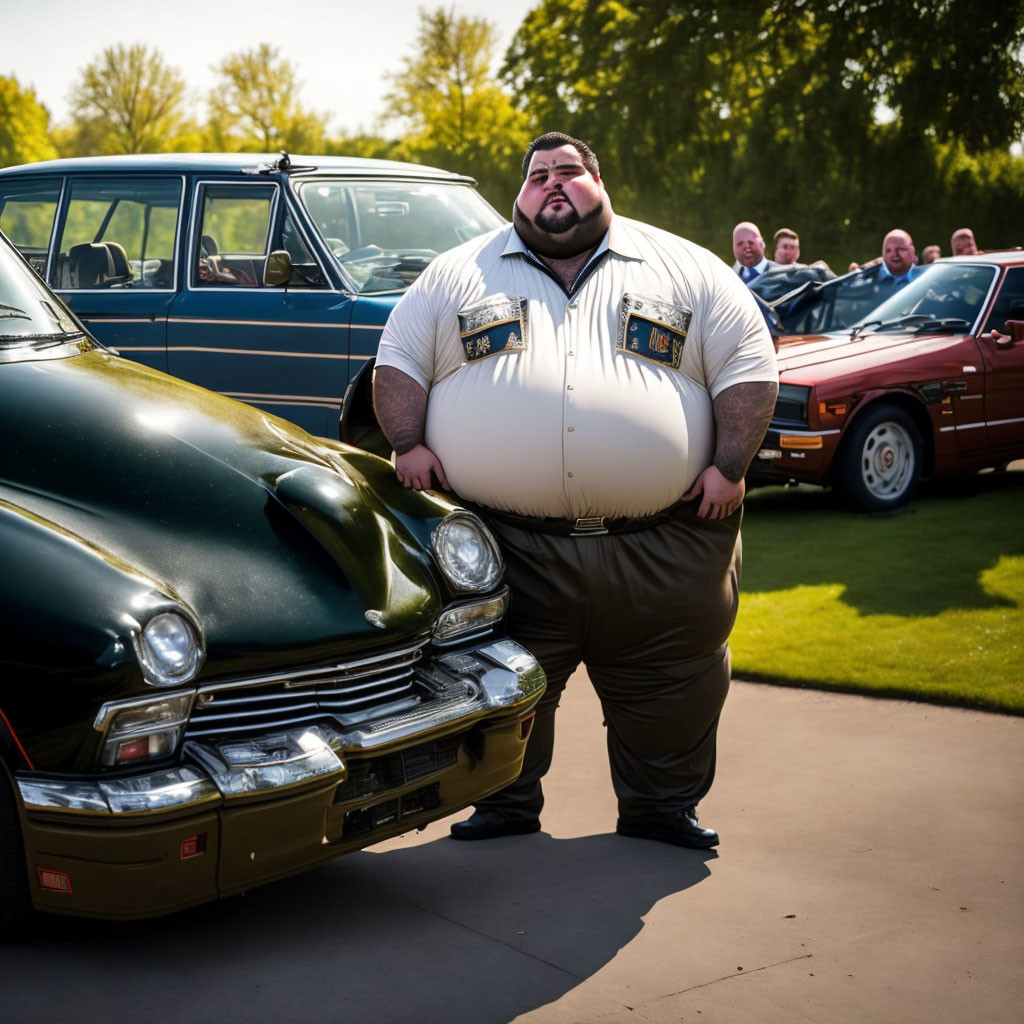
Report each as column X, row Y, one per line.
column 800, row 442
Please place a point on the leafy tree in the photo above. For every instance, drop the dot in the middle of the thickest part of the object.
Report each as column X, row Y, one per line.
column 128, row 100
column 24, row 125
column 457, row 114
column 254, row 105
column 374, row 147
column 841, row 118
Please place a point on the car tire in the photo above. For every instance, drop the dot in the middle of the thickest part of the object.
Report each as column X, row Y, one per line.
column 15, row 907
column 880, row 463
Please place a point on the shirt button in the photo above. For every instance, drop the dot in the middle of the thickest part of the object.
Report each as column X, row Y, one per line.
column 571, row 429
column 572, row 353
column 568, row 387
column 569, row 474
column 572, row 305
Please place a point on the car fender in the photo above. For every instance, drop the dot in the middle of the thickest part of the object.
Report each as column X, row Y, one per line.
column 906, row 399
column 71, row 610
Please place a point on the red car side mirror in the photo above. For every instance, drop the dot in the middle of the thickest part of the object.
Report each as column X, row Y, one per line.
column 1003, row 341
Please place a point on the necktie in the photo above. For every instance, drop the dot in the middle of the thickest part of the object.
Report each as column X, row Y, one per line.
column 749, row 273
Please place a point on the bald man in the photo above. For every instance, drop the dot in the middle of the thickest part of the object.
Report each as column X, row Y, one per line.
column 748, row 248
column 898, row 255
column 962, row 243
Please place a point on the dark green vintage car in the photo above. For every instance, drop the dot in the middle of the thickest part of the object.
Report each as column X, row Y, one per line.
column 228, row 650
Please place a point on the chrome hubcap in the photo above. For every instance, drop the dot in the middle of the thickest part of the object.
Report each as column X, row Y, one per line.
column 887, row 460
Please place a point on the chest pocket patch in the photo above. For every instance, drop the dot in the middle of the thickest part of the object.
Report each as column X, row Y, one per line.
column 498, row 324
column 653, row 329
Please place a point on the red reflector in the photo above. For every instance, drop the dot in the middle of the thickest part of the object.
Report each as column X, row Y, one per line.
column 525, row 726
column 55, row 881
column 132, row 750
column 194, row 846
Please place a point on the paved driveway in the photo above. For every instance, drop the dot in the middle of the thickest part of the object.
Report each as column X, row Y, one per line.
column 871, row 870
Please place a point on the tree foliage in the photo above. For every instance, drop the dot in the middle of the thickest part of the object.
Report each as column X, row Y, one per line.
column 457, row 115
column 24, row 125
column 254, row 105
column 840, row 118
column 128, row 100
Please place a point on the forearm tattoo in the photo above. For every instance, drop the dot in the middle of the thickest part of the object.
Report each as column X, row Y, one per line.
column 401, row 408
column 742, row 414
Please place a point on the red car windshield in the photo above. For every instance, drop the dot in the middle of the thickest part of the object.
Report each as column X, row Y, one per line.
column 948, row 291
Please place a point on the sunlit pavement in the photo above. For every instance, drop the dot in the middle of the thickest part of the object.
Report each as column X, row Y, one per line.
column 871, row 869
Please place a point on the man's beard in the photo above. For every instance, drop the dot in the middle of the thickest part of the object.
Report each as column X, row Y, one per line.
column 563, row 235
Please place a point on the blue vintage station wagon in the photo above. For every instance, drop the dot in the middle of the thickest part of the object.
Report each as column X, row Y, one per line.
column 266, row 278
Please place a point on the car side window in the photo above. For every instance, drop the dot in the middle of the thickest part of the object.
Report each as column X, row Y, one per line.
column 1009, row 304
column 232, row 235
column 27, row 210
column 119, row 233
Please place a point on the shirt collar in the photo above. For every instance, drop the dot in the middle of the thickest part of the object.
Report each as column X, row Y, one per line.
column 884, row 272
column 759, row 267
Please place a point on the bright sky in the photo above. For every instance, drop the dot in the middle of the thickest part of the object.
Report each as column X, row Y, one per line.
column 342, row 49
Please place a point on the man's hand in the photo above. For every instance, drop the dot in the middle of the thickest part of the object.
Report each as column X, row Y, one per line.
column 400, row 405
column 742, row 413
column 417, row 468
column 721, row 497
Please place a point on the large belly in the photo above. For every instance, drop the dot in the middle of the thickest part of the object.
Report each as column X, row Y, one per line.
column 601, row 447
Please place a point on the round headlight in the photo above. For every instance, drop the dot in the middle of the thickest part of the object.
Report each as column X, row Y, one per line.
column 168, row 650
column 467, row 553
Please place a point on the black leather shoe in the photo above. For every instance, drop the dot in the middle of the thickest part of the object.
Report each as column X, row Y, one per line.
column 682, row 830
column 491, row 824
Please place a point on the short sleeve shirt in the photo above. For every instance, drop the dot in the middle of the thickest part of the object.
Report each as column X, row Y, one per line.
column 592, row 403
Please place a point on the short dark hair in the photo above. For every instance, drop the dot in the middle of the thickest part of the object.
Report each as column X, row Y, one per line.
column 555, row 140
column 785, row 233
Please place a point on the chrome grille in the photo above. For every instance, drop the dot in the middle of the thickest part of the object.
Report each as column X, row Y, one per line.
column 348, row 692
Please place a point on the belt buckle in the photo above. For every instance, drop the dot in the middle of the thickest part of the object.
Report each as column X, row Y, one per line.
column 589, row 526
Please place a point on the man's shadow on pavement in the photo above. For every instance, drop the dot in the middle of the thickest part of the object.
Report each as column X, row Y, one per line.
column 478, row 932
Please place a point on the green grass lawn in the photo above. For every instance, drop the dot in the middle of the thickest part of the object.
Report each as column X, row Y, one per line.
column 928, row 604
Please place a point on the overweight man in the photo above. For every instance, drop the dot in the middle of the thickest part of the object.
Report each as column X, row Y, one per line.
column 595, row 388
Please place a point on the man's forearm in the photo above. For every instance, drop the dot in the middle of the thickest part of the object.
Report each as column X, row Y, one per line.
column 742, row 415
column 400, row 405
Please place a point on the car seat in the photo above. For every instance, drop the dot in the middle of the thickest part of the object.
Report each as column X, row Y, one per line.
column 90, row 264
column 121, row 271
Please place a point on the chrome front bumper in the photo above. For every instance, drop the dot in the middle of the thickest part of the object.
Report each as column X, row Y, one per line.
column 462, row 687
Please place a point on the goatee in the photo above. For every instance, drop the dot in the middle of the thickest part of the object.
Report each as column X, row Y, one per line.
column 564, row 235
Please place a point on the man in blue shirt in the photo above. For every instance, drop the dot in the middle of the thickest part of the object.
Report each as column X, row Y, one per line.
column 898, row 255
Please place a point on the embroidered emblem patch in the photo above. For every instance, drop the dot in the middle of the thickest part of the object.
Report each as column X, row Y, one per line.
column 653, row 329
column 498, row 324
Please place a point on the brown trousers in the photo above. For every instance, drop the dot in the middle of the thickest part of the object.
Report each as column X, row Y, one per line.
column 649, row 615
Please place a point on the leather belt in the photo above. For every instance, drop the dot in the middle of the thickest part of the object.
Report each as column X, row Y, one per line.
column 585, row 526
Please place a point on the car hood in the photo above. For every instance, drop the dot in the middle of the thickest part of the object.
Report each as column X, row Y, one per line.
column 837, row 352
column 278, row 542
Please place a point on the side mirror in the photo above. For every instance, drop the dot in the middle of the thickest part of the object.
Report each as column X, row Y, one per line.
column 278, row 268
column 1004, row 341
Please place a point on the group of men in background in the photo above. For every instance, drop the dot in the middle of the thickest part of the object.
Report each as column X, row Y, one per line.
column 898, row 259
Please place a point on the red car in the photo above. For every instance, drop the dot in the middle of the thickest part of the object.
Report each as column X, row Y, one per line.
column 929, row 384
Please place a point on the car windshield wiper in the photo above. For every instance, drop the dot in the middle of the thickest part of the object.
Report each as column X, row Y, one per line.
column 13, row 313
column 943, row 323
column 918, row 322
column 888, row 325
column 54, row 336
